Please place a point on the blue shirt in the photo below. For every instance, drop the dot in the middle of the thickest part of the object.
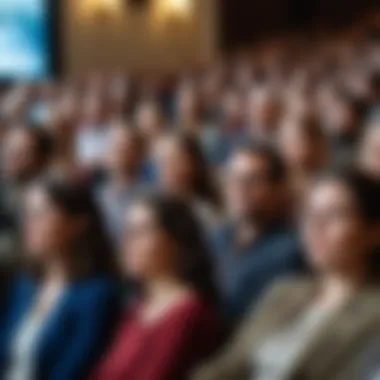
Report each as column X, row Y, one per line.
column 76, row 330
column 245, row 272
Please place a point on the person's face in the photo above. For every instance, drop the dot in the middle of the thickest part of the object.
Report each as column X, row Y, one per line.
column 249, row 190
column 20, row 158
column 343, row 118
column 175, row 167
column 298, row 149
column 58, row 123
column 118, row 89
column 262, row 111
column 68, row 107
column 212, row 88
column 93, row 110
column 149, row 121
column 47, row 230
column 370, row 152
column 147, row 250
column 187, row 104
column 233, row 108
column 124, row 152
column 334, row 234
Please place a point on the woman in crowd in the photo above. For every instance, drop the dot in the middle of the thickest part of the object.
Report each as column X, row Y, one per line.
column 182, row 171
column 173, row 326
column 313, row 328
column 305, row 150
column 57, row 319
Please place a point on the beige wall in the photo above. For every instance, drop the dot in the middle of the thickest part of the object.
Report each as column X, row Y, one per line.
column 136, row 41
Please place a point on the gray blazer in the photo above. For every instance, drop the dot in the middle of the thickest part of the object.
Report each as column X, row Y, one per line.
column 330, row 356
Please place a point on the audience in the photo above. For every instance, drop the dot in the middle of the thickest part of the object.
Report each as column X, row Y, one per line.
column 174, row 324
column 252, row 227
column 312, row 328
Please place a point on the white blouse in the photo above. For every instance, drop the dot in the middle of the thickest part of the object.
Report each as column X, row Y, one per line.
column 24, row 348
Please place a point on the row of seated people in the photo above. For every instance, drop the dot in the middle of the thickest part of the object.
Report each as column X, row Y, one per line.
column 64, row 320
column 195, row 229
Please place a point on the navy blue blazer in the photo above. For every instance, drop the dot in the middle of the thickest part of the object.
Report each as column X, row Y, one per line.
column 75, row 333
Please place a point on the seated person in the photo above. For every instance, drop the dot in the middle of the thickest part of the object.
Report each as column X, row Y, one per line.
column 174, row 325
column 26, row 155
column 305, row 150
column 56, row 320
column 256, row 246
column 122, row 166
column 183, row 171
column 314, row 328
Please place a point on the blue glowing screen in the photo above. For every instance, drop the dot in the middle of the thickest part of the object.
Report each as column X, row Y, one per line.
column 24, row 40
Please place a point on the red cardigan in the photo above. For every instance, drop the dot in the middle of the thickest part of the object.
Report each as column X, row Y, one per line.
column 165, row 350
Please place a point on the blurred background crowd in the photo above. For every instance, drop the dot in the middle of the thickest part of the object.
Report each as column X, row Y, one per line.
column 222, row 223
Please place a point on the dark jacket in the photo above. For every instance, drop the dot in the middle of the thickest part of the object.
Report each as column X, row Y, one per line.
column 75, row 332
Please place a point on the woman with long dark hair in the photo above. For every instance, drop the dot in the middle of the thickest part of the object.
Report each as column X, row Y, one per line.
column 174, row 325
column 183, row 172
column 58, row 317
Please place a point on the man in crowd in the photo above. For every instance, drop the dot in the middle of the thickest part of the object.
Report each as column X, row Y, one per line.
column 256, row 247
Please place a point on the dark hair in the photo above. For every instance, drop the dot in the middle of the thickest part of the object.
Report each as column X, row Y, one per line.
column 277, row 167
column 202, row 184
column 91, row 253
column 43, row 140
column 364, row 188
column 194, row 257
column 357, row 106
column 310, row 125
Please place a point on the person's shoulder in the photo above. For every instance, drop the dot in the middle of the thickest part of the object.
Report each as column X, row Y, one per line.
column 369, row 297
column 287, row 234
column 95, row 289
column 21, row 282
column 18, row 289
column 288, row 287
column 289, row 283
column 287, row 239
column 194, row 310
column 197, row 318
